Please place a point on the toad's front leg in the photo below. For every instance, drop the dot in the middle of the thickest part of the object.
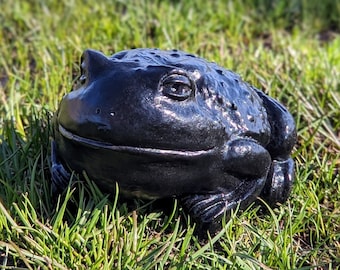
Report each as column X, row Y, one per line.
column 60, row 176
column 246, row 166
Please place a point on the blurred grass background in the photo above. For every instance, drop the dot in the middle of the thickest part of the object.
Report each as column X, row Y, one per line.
column 289, row 49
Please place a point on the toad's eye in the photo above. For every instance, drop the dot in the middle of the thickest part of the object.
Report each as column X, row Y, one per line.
column 83, row 77
column 81, row 80
column 177, row 86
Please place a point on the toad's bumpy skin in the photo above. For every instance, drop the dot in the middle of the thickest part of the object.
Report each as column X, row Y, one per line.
column 168, row 123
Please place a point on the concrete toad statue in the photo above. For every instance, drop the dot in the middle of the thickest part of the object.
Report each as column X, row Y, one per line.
column 168, row 123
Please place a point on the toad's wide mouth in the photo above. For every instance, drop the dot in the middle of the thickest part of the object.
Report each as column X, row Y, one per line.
column 132, row 149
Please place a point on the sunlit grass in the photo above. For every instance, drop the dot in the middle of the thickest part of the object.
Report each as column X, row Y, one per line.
column 290, row 49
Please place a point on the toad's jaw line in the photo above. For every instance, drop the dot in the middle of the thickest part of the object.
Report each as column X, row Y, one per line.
column 130, row 149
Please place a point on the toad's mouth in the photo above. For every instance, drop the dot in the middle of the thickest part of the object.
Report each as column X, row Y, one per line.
column 132, row 149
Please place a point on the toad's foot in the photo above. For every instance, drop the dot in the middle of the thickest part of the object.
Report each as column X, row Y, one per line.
column 279, row 182
column 246, row 165
column 208, row 209
column 60, row 176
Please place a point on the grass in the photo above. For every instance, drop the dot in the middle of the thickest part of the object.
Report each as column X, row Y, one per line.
column 290, row 49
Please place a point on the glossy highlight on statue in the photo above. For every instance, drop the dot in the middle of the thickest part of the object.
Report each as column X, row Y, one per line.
column 168, row 123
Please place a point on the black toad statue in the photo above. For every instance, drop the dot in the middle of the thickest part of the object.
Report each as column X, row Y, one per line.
column 168, row 123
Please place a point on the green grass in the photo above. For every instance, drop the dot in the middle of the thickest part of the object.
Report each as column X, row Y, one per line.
column 290, row 49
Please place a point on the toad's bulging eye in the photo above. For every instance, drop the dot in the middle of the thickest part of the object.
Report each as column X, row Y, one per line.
column 82, row 79
column 177, row 86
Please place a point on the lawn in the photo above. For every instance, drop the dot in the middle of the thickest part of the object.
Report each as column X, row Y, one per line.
column 289, row 49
